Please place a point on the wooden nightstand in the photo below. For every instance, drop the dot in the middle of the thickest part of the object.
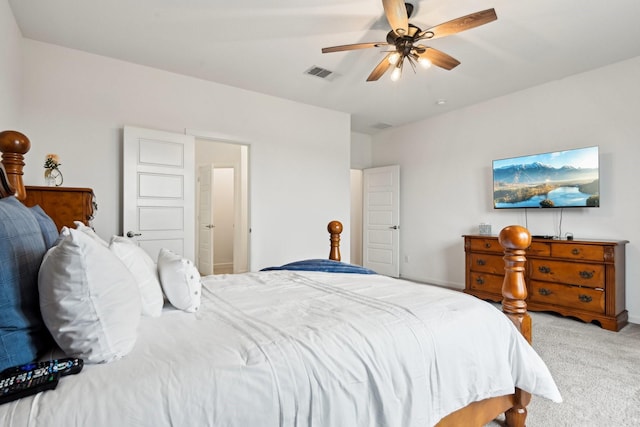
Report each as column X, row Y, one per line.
column 63, row 204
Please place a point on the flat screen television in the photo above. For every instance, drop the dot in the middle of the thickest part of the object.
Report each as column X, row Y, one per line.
column 560, row 179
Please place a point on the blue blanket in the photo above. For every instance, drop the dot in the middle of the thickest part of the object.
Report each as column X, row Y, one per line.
column 325, row 265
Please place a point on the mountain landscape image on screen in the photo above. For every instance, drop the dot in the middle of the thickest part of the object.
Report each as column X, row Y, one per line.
column 567, row 179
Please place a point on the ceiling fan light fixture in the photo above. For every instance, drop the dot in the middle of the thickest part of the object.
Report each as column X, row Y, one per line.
column 397, row 72
column 394, row 58
column 424, row 62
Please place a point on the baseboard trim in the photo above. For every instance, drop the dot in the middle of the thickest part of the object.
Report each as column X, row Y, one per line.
column 223, row 268
column 440, row 283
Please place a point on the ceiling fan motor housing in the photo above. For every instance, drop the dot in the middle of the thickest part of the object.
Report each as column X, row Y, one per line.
column 404, row 44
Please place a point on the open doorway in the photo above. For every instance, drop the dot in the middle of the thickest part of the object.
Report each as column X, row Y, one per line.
column 222, row 219
column 356, row 216
column 224, row 211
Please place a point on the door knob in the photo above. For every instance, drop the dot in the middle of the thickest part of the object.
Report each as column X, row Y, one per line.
column 132, row 234
column 394, row 227
column 210, row 226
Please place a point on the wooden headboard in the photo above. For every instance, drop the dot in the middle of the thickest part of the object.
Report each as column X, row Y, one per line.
column 13, row 145
column 5, row 188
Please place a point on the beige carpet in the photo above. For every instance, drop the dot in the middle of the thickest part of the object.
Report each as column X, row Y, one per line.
column 597, row 372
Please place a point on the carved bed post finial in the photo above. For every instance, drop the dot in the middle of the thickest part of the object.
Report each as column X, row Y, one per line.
column 335, row 228
column 14, row 146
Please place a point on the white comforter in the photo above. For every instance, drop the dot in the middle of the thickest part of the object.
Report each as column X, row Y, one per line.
column 300, row 349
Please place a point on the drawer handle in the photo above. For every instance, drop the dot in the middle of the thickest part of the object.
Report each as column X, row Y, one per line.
column 584, row 298
column 481, row 262
column 487, row 245
column 544, row 269
column 480, row 281
column 575, row 251
column 544, row 291
column 586, row 274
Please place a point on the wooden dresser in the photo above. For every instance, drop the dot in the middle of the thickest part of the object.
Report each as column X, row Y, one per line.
column 63, row 204
column 580, row 278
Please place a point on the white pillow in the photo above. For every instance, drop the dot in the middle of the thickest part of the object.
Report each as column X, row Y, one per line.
column 88, row 298
column 144, row 271
column 180, row 281
column 89, row 232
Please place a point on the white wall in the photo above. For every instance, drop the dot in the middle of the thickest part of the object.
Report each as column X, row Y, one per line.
column 446, row 169
column 75, row 105
column 361, row 150
column 10, row 69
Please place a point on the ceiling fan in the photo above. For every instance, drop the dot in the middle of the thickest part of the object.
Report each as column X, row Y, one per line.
column 404, row 38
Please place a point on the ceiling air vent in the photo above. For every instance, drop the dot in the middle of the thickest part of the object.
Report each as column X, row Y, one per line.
column 320, row 72
column 381, row 126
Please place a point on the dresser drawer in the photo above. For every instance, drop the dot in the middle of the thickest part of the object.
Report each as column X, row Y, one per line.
column 539, row 249
column 487, row 263
column 577, row 251
column 486, row 245
column 486, row 282
column 571, row 273
column 569, row 296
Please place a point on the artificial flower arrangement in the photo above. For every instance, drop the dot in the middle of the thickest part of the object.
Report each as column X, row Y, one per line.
column 52, row 161
column 52, row 174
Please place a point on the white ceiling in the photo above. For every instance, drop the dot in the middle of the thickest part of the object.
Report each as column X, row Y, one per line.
column 267, row 45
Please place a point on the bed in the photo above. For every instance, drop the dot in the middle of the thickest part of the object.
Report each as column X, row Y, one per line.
column 288, row 346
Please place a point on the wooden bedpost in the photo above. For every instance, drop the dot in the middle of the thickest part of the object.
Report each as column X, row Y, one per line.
column 335, row 228
column 515, row 240
column 14, row 146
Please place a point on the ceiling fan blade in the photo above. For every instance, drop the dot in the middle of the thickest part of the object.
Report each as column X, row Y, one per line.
column 380, row 69
column 352, row 47
column 439, row 58
column 396, row 13
column 460, row 24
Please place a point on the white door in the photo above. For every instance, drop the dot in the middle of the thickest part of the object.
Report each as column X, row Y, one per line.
column 205, row 220
column 158, row 190
column 381, row 219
